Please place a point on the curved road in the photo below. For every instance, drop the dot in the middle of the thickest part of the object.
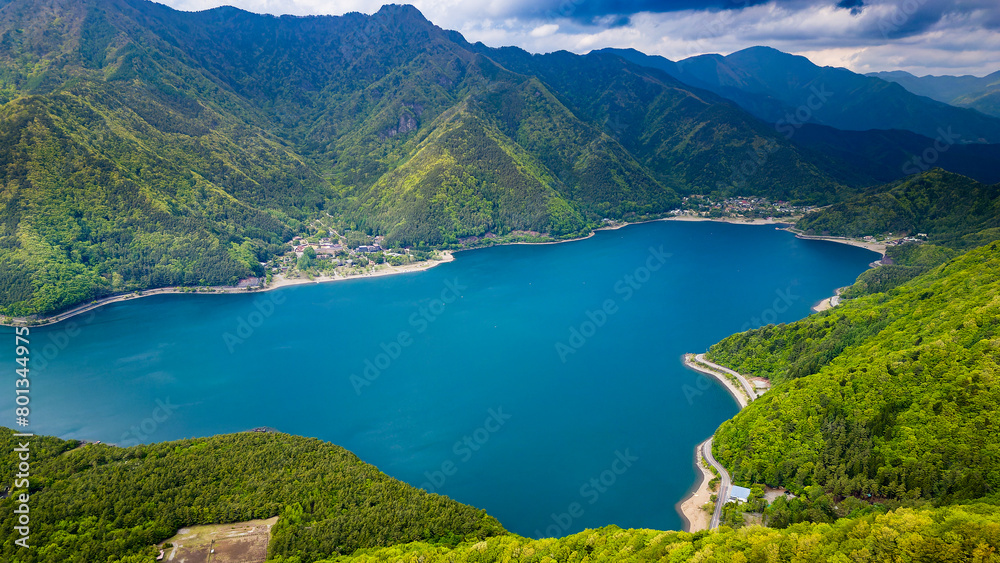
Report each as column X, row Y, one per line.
column 747, row 386
column 724, row 485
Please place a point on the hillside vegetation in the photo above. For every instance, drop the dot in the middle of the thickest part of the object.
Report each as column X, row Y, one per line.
column 101, row 503
column 953, row 534
column 890, row 395
column 146, row 147
column 953, row 210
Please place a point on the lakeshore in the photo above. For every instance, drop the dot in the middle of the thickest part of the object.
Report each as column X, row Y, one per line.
column 216, row 359
column 879, row 247
column 277, row 282
column 281, row 280
column 690, row 507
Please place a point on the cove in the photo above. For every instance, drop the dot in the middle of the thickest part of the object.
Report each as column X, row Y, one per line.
column 542, row 383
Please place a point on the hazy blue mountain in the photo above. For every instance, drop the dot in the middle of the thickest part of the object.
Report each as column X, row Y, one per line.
column 786, row 89
column 981, row 93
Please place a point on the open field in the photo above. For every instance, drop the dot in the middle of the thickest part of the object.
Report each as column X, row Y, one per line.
column 240, row 542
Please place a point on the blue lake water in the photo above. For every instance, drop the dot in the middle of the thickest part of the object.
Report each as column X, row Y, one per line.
column 542, row 383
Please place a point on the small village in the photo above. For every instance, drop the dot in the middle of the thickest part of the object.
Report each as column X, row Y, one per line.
column 739, row 207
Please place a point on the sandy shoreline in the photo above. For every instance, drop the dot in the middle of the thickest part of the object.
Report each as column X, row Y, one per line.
column 739, row 394
column 878, row 247
column 829, row 302
column 690, row 507
column 447, row 256
column 732, row 220
column 280, row 280
column 277, row 282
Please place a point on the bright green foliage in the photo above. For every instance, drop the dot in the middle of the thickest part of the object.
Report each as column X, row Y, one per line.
column 953, row 210
column 100, row 503
column 146, row 147
column 893, row 395
column 954, row 534
column 92, row 502
column 908, row 261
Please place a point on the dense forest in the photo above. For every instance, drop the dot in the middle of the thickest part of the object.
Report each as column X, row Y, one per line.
column 145, row 147
column 956, row 534
column 93, row 502
column 890, row 395
column 952, row 210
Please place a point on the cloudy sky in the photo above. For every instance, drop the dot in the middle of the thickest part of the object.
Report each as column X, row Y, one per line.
column 919, row 36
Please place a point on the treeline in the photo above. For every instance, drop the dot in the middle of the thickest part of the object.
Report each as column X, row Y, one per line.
column 953, row 210
column 99, row 503
column 891, row 395
column 93, row 213
column 956, row 534
column 907, row 262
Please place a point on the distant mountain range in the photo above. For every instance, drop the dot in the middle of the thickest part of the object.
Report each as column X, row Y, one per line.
column 782, row 88
column 973, row 92
column 145, row 147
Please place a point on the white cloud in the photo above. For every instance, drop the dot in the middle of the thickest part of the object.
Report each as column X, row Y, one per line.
column 960, row 41
column 545, row 30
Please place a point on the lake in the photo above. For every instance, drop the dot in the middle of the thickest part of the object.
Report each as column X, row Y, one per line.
column 542, row 383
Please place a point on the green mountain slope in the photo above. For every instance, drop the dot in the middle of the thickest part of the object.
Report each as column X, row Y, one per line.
column 687, row 138
column 100, row 503
column 959, row 533
column 892, row 395
column 774, row 85
column 173, row 148
column 951, row 209
column 98, row 201
column 216, row 135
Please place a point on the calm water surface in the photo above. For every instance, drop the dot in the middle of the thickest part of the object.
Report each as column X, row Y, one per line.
column 520, row 379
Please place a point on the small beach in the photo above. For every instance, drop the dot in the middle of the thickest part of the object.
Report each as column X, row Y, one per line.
column 696, row 519
column 878, row 247
column 690, row 507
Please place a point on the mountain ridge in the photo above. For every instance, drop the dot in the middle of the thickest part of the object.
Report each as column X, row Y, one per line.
column 235, row 130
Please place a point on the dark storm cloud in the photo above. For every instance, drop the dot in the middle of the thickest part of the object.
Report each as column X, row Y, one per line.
column 854, row 6
column 597, row 11
column 920, row 36
column 900, row 18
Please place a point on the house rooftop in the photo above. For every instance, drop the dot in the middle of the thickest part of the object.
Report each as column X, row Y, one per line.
column 739, row 494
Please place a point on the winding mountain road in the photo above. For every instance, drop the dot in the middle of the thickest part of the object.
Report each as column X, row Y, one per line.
column 751, row 391
column 724, row 486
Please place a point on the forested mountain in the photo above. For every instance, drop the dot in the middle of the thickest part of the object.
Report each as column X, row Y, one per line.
column 95, row 502
column 774, row 86
column 92, row 502
column 952, row 210
column 981, row 93
column 147, row 147
column 889, row 155
column 952, row 534
column 890, row 395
